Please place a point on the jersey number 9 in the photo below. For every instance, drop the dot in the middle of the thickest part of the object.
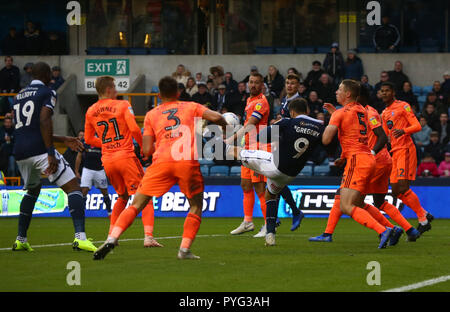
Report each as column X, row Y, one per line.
column 300, row 145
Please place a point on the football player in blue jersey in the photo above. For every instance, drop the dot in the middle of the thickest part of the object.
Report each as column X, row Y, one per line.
column 35, row 155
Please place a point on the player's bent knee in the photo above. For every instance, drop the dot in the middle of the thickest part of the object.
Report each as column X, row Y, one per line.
column 71, row 186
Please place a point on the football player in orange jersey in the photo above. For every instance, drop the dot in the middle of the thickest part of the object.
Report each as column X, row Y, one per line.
column 350, row 123
column 169, row 136
column 399, row 122
column 256, row 117
column 114, row 124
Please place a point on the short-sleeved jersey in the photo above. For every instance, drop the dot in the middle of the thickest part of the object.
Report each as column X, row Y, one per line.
column 351, row 121
column 284, row 110
column 398, row 115
column 375, row 122
column 298, row 137
column 172, row 124
column 258, row 107
column 28, row 104
column 114, row 123
column 92, row 157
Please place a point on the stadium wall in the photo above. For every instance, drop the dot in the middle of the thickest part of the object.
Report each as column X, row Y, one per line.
column 422, row 68
column 223, row 198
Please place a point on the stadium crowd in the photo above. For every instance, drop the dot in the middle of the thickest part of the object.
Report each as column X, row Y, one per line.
column 220, row 91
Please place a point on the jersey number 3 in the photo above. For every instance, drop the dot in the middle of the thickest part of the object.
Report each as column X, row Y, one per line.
column 105, row 130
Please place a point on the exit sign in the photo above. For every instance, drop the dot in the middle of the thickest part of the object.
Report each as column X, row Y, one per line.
column 102, row 67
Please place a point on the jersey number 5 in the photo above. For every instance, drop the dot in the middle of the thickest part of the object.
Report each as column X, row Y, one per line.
column 105, row 130
column 361, row 122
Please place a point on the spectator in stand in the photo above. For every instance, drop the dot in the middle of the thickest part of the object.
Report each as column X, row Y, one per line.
column 57, row 80
column 427, row 167
column 386, row 37
column 271, row 100
column 55, row 44
column 315, row 104
column 210, row 86
column 218, row 75
column 438, row 105
column 443, row 128
column 326, row 90
column 191, row 86
column 397, row 76
column 377, row 102
column 184, row 96
column 181, row 74
column 314, row 75
column 204, row 97
column 353, row 67
column 33, row 41
column 302, row 90
column 9, row 77
column 293, row 70
column 230, row 84
column 199, row 77
column 437, row 88
column 274, row 81
column 444, row 167
column 408, row 96
column 71, row 156
column 365, row 83
column 435, row 149
column 12, row 44
column 220, row 98
column 7, row 146
column 253, row 70
column 333, row 63
column 422, row 138
column 429, row 112
column 321, row 116
column 26, row 78
column 384, row 76
column 445, row 86
column 236, row 102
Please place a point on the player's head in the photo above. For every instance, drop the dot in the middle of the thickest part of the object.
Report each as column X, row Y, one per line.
column 364, row 95
column 348, row 91
column 255, row 83
column 168, row 88
column 291, row 84
column 106, row 87
column 81, row 134
column 387, row 92
column 41, row 71
column 298, row 106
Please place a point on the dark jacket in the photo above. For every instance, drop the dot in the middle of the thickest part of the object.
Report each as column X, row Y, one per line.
column 386, row 36
column 313, row 78
column 235, row 102
column 205, row 99
column 353, row 69
column 436, row 151
column 397, row 78
column 231, row 86
column 408, row 97
column 446, row 138
column 276, row 85
column 326, row 92
column 58, row 82
column 432, row 119
column 10, row 79
column 334, row 64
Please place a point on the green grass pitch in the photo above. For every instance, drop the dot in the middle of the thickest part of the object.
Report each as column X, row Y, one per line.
column 228, row 263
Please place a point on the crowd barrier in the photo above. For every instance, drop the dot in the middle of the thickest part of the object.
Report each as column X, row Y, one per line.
column 223, row 198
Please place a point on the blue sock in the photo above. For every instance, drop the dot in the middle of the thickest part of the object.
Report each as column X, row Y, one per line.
column 26, row 212
column 289, row 199
column 107, row 202
column 271, row 215
column 76, row 209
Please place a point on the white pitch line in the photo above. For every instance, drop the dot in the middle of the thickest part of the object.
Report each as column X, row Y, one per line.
column 420, row 285
column 122, row 240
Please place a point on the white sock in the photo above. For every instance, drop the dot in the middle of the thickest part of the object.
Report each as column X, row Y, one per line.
column 111, row 239
column 21, row 239
column 424, row 222
column 80, row 235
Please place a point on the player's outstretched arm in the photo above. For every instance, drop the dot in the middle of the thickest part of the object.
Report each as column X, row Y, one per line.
column 71, row 142
column 46, row 127
column 215, row 117
column 252, row 122
column 328, row 134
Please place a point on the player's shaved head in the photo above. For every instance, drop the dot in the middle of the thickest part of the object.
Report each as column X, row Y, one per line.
column 388, row 84
column 364, row 95
column 102, row 83
column 41, row 71
column 351, row 86
column 168, row 87
column 298, row 105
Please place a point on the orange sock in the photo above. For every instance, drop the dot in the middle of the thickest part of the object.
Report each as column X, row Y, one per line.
column 191, row 226
column 119, row 206
column 377, row 215
column 412, row 201
column 262, row 200
column 249, row 202
column 396, row 215
column 364, row 218
column 335, row 215
column 124, row 221
column 148, row 218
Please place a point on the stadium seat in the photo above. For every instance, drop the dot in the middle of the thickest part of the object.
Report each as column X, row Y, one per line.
column 206, row 162
column 431, row 49
column 426, row 90
column 97, row 51
column 323, row 49
column 417, row 90
column 408, row 49
column 306, row 171
column 204, row 170
column 138, row 51
column 305, row 50
column 284, row 50
column 235, row 171
column 219, row 171
column 322, row 170
column 159, row 51
column 264, row 50
column 364, row 49
column 118, row 51
column 421, row 99
column 155, row 89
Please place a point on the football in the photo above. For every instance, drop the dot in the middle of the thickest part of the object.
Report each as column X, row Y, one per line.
column 231, row 119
